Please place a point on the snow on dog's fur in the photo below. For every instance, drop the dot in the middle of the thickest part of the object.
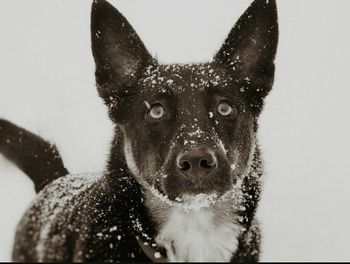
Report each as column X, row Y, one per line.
column 184, row 175
column 200, row 228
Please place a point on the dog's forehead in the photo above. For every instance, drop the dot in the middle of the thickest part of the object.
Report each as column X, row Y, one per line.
column 179, row 79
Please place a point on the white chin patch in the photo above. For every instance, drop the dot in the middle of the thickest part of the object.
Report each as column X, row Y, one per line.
column 193, row 230
column 194, row 236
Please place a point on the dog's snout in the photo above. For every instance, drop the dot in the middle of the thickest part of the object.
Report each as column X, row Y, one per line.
column 196, row 162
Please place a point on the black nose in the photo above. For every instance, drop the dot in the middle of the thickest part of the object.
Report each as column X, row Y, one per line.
column 196, row 162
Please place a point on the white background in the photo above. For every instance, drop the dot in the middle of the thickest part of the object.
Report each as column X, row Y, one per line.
column 47, row 86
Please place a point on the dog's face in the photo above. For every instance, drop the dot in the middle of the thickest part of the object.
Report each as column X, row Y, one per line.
column 187, row 129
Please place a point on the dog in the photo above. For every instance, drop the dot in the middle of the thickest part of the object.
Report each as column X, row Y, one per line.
column 184, row 175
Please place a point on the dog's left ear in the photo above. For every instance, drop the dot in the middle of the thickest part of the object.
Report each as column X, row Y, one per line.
column 119, row 53
column 250, row 49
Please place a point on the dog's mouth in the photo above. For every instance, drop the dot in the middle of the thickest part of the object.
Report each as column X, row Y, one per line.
column 195, row 202
column 186, row 201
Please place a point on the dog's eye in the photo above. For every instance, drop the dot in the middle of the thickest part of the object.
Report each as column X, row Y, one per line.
column 156, row 112
column 225, row 109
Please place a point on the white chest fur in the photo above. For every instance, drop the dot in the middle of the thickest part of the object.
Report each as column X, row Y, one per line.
column 198, row 236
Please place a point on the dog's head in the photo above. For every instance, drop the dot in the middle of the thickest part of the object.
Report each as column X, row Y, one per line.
column 187, row 129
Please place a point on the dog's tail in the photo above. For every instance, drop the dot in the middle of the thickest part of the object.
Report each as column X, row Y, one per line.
column 36, row 157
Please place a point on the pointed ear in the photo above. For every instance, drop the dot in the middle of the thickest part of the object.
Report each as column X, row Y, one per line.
column 250, row 49
column 118, row 52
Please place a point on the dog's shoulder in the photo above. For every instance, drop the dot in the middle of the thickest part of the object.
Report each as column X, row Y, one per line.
column 49, row 219
column 78, row 218
column 63, row 194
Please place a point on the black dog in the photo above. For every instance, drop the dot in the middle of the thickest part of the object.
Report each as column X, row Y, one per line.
column 183, row 179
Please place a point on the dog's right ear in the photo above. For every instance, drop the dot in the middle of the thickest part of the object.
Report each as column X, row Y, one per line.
column 118, row 52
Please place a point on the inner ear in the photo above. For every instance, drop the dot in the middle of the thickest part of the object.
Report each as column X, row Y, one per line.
column 119, row 53
column 250, row 49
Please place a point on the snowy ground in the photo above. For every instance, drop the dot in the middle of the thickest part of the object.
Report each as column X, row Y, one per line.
column 47, row 86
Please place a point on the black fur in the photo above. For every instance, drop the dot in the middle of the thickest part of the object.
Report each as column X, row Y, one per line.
column 99, row 219
column 36, row 157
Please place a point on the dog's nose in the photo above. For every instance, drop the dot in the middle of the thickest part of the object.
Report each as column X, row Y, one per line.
column 196, row 162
